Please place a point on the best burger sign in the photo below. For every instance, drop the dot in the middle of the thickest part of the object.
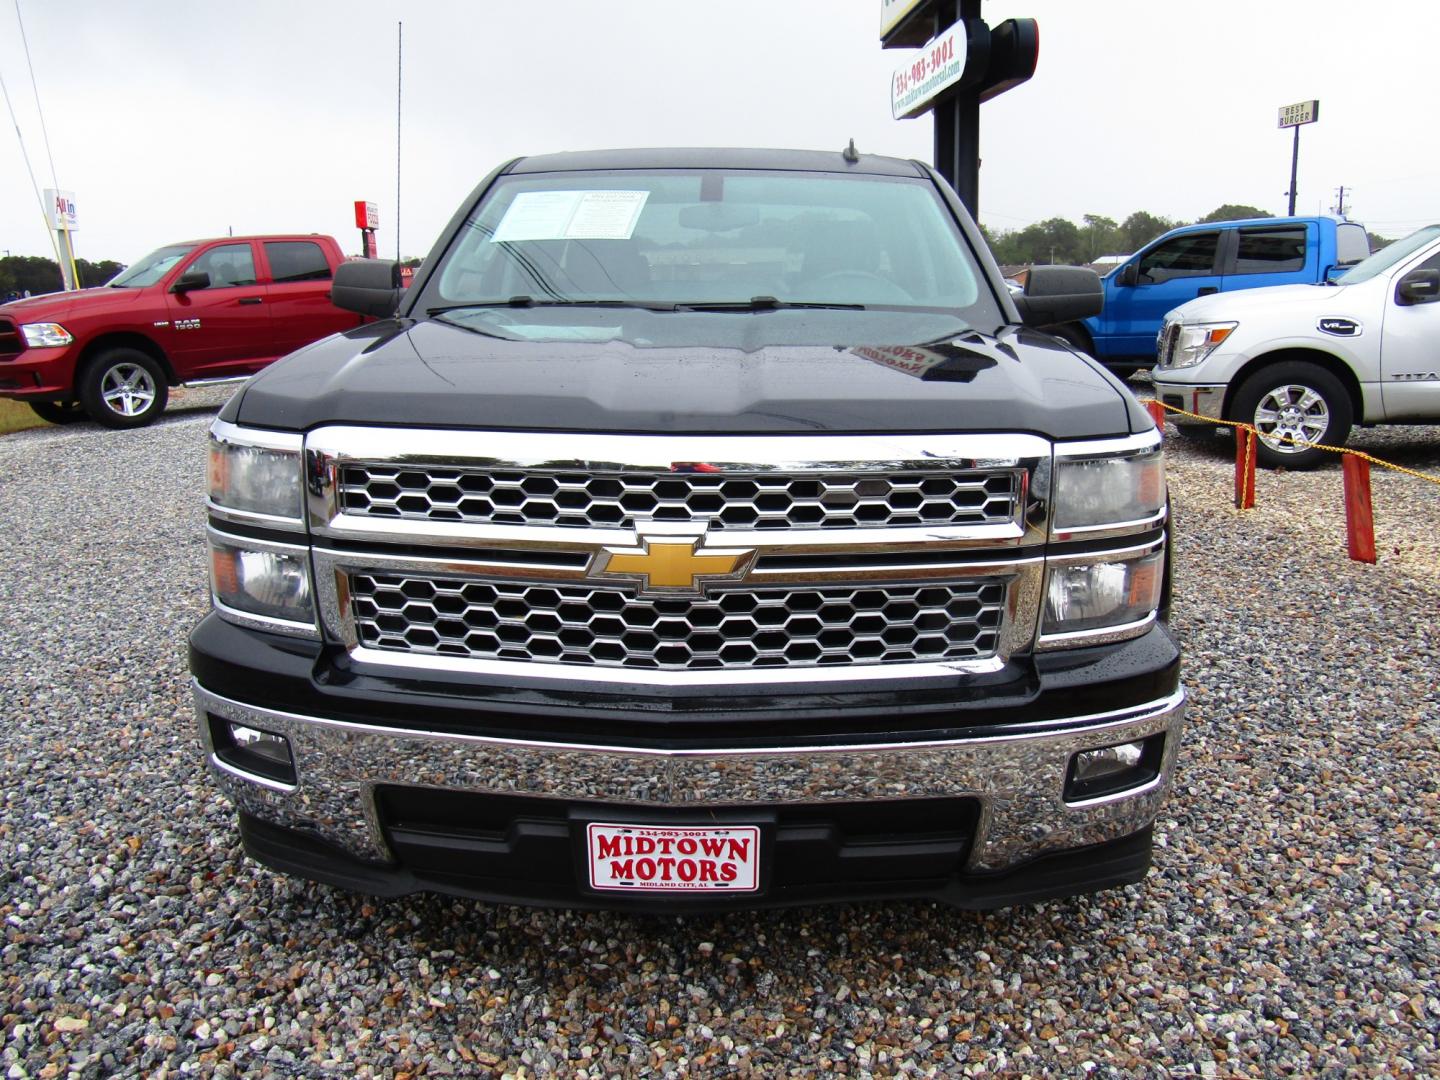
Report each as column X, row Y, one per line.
column 673, row 859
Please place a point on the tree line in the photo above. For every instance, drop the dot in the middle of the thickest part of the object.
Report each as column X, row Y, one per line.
column 19, row 273
column 1060, row 240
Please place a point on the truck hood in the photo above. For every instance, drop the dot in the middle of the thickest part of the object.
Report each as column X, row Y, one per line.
column 1225, row 307
column 52, row 307
column 432, row 374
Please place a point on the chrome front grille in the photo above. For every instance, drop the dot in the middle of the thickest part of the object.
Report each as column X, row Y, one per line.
column 782, row 627
column 679, row 560
column 578, row 499
column 1169, row 337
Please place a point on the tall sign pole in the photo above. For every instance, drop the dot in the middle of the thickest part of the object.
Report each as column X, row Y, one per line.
column 961, row 63
column 1297, row 116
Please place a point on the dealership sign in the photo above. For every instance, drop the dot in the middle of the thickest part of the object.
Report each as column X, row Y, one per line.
column 60, row 209
column 893, row 11
column 934, row 69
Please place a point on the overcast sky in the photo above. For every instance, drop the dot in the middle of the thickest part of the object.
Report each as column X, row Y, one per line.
column 175, row 121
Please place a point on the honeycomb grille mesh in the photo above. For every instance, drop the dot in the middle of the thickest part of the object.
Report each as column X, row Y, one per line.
column 755, row 501
column 609, row 627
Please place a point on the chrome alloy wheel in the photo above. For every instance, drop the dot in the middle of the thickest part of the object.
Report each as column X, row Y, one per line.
column 127, row 389
column 1291, row 412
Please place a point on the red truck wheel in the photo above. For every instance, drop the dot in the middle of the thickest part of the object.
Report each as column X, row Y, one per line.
column 123, row 388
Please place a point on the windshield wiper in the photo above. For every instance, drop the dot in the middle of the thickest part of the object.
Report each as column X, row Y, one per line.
column 764, row 303
column 523, row 301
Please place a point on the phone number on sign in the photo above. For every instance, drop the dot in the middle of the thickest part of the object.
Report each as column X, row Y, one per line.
column 925, row 65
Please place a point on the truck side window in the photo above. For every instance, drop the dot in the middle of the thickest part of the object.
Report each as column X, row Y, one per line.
column 296, row 260
column 228, row 265
column 1190, row 255
column 1271, row 251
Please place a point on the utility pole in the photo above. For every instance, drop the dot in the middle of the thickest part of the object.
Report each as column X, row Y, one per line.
column 1340, row 201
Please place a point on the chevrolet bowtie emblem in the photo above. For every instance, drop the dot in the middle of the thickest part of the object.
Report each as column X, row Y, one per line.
column 672, row 564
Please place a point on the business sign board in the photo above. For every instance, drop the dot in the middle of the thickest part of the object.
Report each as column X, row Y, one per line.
column 933, row 70
column 893, row 12
column 367, row 215
column 1302, row 112
column 60, row 208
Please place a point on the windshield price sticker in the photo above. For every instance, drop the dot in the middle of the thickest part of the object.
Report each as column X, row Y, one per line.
column 571, row 215
column 640, row 858
column 935, row 68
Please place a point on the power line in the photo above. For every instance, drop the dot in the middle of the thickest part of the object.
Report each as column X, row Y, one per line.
column 45, row 134
column 25, row 154
column 54, row 177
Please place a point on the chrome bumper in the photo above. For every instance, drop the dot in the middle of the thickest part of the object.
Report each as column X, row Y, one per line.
column 1208, row 401
column 1017, row 775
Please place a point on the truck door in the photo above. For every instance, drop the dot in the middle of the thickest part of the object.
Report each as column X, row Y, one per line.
column 299, row 294
column 224, row 328
column 1410, row 352
column 1273, row 255
column 1167, row 275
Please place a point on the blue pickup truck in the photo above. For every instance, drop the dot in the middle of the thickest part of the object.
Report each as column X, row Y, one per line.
column 1196, row 260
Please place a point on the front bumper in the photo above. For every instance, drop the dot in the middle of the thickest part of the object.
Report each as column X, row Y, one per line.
column 1207, row 401
column 39, row 374
column 329, row 824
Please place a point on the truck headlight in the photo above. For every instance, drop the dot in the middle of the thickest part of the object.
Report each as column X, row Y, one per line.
column 46, row 335
column 266, row 582
column 1196, row 341
column 256, row 473
column 1114, row 591
column 1107, row 492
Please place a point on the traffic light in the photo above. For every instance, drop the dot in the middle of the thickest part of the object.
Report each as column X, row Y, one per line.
column 1014, row 52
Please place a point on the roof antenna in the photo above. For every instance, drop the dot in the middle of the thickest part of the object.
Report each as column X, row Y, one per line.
column 850, row 154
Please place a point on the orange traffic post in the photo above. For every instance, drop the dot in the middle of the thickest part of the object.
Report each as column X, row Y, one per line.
column 1157, row 413
column 1359, row 514
column 1244, row 468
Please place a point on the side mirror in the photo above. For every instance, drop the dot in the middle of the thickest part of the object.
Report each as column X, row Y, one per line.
column 1129, row 275
column 1060, row 294
column 1418, row 287
column 369, row 286
column 194, row 279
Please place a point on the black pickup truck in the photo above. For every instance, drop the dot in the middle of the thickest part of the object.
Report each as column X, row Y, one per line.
column 703, row 528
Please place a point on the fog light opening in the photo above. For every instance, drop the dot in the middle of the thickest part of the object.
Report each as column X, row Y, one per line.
column 253, row 750
column 1108, row 770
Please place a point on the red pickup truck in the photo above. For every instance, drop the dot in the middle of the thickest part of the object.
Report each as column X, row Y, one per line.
column 201, row 311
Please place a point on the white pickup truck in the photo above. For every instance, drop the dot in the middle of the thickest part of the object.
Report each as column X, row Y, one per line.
column 1305, row 363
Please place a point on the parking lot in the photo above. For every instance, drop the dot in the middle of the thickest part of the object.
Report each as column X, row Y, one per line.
column 1289, row 926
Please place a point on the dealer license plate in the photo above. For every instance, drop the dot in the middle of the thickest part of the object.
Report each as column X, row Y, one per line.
column 646, row 858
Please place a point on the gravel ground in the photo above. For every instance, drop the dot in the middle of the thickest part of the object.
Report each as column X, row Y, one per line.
column 1289, row 927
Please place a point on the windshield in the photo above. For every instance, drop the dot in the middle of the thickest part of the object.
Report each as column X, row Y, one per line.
column 693, row 248
column 151, row 268
column 1388, row 256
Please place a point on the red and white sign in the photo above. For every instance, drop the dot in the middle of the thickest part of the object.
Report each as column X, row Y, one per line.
column 934, row 69
column 61, row 210
column 367, row 215
column 642, row 858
